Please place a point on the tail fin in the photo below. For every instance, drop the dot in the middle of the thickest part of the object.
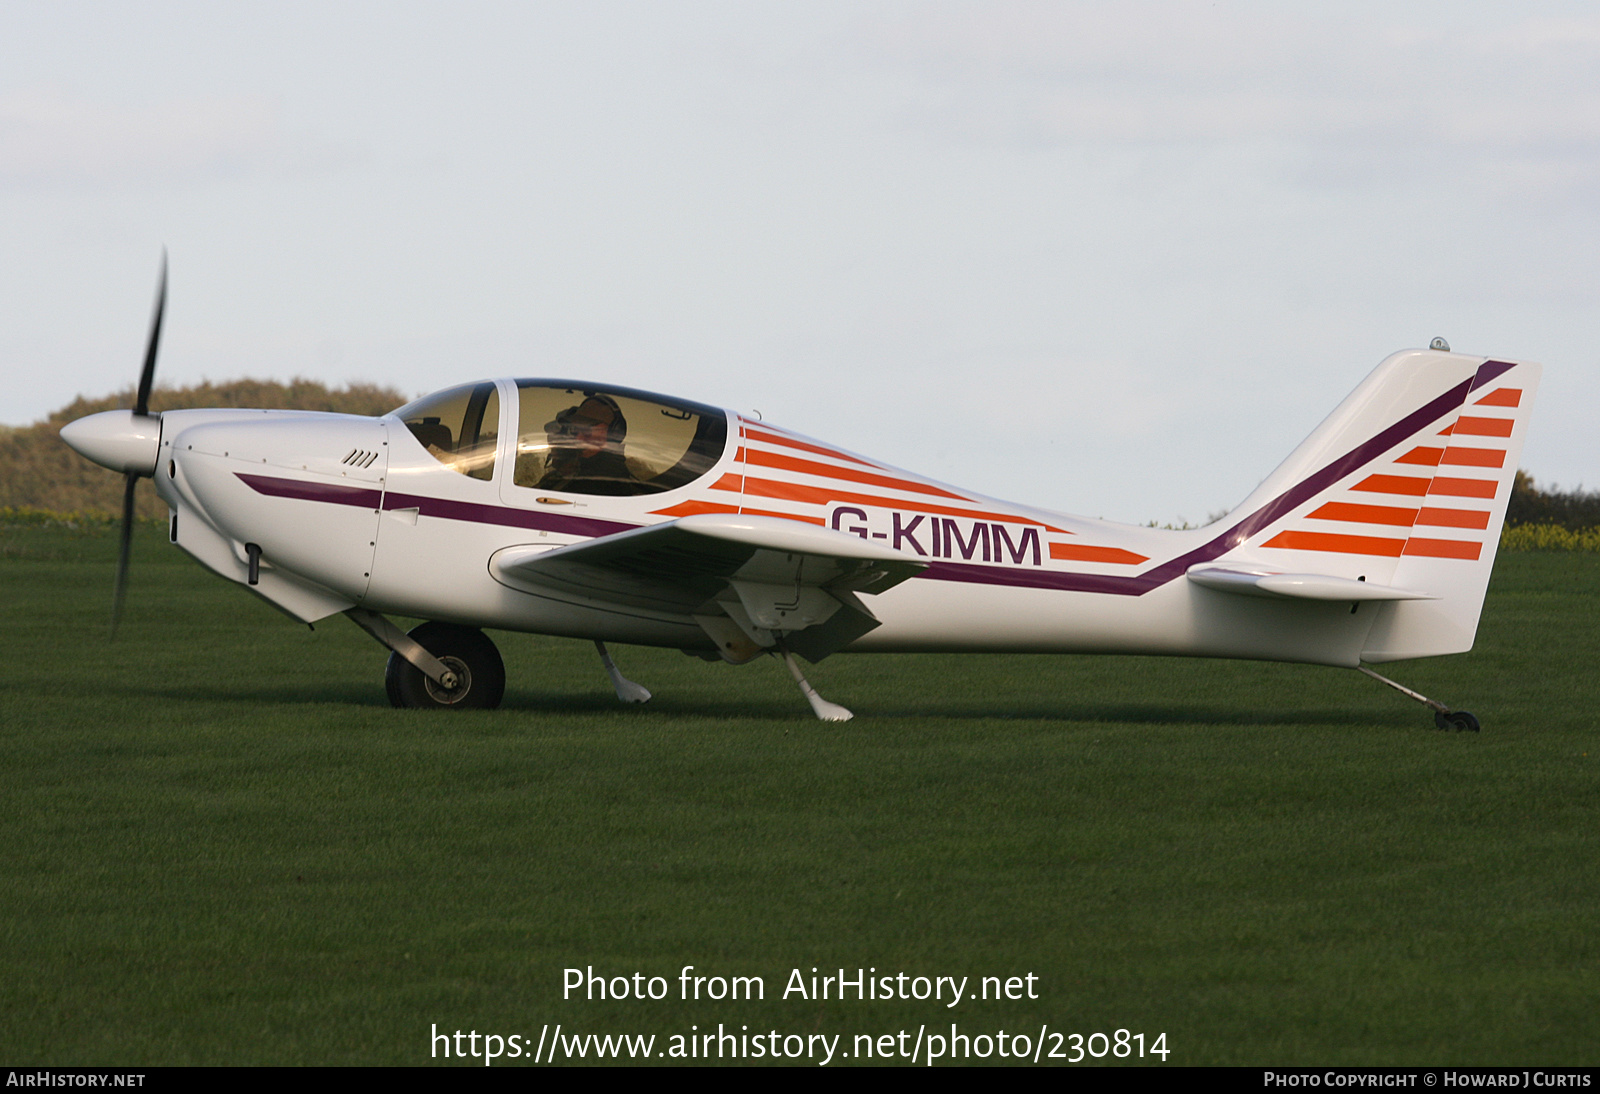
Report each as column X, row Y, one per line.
column 1404, row 485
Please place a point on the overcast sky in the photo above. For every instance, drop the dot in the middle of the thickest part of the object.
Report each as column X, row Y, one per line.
column 1116, row 259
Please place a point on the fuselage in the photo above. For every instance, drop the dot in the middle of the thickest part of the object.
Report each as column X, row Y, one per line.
column 406, row 513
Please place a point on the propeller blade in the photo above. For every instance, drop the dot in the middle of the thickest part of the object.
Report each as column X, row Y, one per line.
column 119, row 593
column 141, row 407
column 141, row 403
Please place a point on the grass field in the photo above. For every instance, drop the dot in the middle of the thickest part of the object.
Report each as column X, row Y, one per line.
column 220, row 845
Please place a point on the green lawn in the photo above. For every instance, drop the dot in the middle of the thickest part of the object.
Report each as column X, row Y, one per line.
column 220, row 845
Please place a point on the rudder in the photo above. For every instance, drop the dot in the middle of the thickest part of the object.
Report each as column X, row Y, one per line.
column 1452, row 547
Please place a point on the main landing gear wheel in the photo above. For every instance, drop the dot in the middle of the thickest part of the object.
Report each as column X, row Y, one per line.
column 1459, row 720
column 465, row 651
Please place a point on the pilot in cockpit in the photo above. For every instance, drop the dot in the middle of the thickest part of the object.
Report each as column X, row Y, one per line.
column 585, row 454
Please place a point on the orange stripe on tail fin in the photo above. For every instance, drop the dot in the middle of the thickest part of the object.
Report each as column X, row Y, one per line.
column 1483, row 427
column 1338, row 543
column 1443, row 548
column 1453, row 518
column 1506, row 396
column 1366, row 514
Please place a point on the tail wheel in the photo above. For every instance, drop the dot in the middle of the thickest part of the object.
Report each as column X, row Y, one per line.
column 467, row 652
column 1458, row 720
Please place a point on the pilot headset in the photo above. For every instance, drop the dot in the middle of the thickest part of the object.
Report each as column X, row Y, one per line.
column 618, row 429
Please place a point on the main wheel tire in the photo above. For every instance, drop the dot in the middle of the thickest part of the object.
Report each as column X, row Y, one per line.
column 467, row 652
column 1460, row 721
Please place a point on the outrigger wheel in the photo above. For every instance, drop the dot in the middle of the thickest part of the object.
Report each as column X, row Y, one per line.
column 1459, row 720
column 467, row 652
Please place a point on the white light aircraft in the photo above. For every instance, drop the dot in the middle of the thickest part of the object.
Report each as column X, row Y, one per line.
column 603, row 513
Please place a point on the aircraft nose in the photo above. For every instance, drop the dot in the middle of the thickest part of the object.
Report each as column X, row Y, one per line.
column 118, row 439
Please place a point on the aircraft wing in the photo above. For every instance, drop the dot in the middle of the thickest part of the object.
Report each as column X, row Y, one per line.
column 748, row 581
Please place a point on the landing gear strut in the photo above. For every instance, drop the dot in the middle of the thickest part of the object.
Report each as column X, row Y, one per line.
column 477, row 675
column 627, row 690
column 824, row 710
column 1443, row 717
column 438, row 665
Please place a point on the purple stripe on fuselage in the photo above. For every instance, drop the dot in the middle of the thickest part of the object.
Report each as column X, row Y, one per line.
column 1036, row 579
column 333, row 493
column 478, row 513
column 1137, row 585
column 475, row 512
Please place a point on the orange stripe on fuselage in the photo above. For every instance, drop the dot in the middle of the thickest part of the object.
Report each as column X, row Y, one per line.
column 759, row 458
column 1079, row 553
column 804, row 446
column 822, row 495
column 694, row 508
column 781, row 516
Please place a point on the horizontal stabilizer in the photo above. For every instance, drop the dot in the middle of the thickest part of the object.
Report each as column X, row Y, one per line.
column 1296, row 586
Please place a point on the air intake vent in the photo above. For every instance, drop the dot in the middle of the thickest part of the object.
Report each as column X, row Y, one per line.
column 359, row 457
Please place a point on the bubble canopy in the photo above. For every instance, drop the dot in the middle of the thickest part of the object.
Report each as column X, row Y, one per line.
column 572, row 437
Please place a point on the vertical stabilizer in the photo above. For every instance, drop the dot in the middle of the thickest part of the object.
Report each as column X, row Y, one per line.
column 1404, row 485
